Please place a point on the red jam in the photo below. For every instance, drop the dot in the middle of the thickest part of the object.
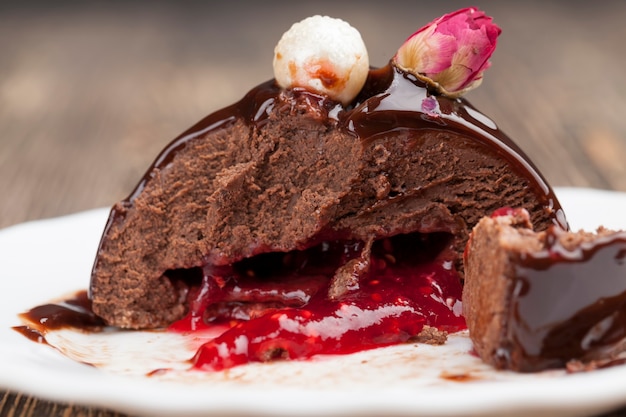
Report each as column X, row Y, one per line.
column 285, row 311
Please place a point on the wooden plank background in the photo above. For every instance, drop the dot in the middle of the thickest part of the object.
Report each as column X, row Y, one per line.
column 91, row 91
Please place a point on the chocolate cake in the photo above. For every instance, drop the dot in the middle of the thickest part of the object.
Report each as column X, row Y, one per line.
column 296, row 190
column 539, row 300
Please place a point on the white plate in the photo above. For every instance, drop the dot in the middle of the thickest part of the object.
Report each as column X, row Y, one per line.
column 47, row 259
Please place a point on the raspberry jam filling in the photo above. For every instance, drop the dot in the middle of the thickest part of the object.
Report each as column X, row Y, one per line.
column 335, row 298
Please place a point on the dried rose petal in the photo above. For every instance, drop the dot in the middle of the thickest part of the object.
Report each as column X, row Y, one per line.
column 452, row 52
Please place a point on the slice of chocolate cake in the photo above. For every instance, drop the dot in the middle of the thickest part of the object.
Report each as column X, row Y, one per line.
column 301, row 195
column 538, row 300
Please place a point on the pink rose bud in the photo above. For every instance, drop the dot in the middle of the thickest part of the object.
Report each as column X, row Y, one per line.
column 452, row 52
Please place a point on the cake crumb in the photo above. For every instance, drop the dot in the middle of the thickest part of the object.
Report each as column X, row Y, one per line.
column 431, row 336
column 576, row 366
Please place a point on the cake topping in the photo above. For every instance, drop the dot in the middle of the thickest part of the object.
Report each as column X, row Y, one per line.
column 323, row 55
column 452, row 52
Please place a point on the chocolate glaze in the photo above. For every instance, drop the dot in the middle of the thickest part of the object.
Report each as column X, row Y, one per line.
column 74, row 312
column 559, row 311
column 390, row 100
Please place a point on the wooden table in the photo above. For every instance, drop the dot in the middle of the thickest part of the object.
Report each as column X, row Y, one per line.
column 90, row 93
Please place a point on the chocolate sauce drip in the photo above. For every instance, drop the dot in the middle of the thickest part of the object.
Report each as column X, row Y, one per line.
column 560, row 311
column 390, row 100
column 75, row 312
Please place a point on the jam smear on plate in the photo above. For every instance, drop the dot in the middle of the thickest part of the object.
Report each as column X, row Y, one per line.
column 291, row 306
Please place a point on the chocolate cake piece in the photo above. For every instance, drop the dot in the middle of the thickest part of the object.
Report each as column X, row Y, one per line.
column 321, row 181
column 289, row 169
column 539, row 300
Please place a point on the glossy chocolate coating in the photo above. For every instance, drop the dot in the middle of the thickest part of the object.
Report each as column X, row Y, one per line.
column 390, row 100
column 568, row 303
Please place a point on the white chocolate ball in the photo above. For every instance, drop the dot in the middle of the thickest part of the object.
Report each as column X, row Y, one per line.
column 324, row 55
